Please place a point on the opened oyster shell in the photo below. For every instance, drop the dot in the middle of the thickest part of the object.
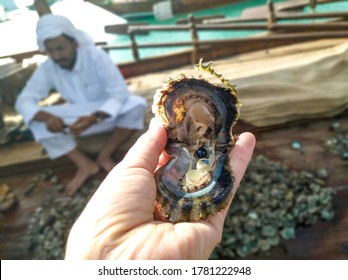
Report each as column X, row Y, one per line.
column 198, row 116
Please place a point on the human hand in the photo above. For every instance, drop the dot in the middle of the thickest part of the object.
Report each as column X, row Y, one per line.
column 118, row 222
column 81, row 124
column 54, row 124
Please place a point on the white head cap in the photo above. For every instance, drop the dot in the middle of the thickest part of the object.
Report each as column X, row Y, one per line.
column 51, row 26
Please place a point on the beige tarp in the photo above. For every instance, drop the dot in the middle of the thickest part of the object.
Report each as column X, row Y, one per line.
column 304, row 81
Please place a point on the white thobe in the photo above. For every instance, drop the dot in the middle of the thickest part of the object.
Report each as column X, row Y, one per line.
column 94, row 84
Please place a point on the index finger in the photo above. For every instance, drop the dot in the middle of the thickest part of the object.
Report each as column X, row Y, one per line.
column 240, row 157
column 241, row 154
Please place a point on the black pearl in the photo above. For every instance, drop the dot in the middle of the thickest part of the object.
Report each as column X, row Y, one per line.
column 201, row 152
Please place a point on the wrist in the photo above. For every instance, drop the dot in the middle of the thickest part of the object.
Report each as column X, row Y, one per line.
column 43, row 116
column 99, row 116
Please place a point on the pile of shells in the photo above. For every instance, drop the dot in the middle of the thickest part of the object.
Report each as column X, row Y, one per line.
column 338, row 143
column 45, row 177
column 268, row 206
column 50, row 223
column 270, row 203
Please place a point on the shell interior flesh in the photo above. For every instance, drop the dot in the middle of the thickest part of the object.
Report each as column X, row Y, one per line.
column 198, row 116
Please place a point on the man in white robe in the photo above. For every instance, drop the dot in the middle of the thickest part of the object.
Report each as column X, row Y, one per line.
column 96, row 95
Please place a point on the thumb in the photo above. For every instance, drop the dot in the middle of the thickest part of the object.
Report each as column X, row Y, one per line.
column 146, row 151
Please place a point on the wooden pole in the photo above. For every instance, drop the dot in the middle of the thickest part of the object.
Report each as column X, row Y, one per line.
column 271, row 14
column 134, row 47
column 2, row 122
column 312, row 5
column 194, row 38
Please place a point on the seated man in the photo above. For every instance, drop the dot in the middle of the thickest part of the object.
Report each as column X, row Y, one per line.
column 96, row 93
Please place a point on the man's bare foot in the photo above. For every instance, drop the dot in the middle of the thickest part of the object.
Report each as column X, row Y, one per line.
column 106, row 163
column 119, row 136
column 82, row 174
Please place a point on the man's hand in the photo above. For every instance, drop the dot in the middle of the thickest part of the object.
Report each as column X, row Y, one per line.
column 53, row 123
column 82, row 124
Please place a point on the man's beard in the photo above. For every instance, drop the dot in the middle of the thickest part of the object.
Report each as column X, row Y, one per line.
column 65, row 64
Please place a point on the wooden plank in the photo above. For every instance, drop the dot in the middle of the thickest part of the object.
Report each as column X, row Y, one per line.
column 26, row 152
column 201, row 19
column 287, row 6
column 282, row 16
column 123, row 28
column 245, row 44
column 304, row 27
column 299, row 4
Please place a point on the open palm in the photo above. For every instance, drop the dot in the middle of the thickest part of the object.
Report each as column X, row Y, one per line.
column 119, row 223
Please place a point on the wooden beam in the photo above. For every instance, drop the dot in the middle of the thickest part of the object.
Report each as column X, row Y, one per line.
column 312, row 5
column 272, row 37
column 304, row 27
column 122, row 28
column 281, row 16
column 200, row 19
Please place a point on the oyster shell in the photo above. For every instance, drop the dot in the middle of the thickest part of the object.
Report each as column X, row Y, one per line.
column 198, row 116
